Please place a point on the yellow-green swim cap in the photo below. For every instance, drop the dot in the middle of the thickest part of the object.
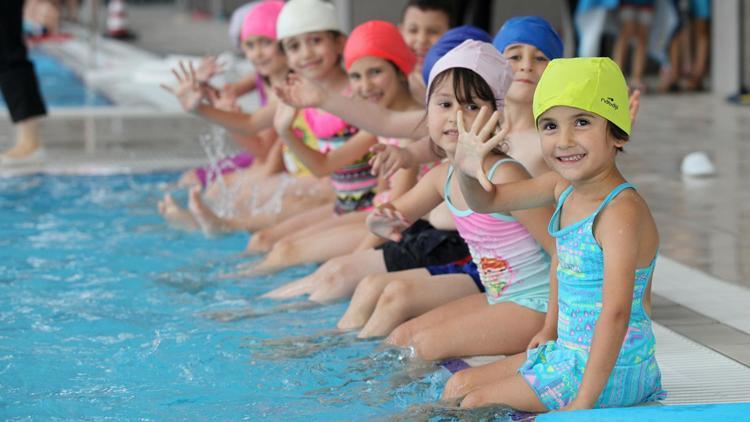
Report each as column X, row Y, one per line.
column 594, row 84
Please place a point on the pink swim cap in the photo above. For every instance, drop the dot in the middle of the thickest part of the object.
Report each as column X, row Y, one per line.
column 482, row 58
column 379, row 39
column 261, row 20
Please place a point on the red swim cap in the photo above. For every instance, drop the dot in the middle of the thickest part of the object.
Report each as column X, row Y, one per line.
column 379, row 39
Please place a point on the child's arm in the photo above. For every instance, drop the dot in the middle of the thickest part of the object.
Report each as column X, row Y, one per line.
column 301, row 92
column 318, row 163
column 618, row 234
column 535, row 220
column 549, row 331
column 390, row 158
column 244, row 123
column 480, row 194
column 389, row 220
column 242, row 86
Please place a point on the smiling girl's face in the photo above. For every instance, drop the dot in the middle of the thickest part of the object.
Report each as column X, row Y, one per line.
column 264, row 54
column 577, row 144
column 447, row 97
column 313, row 54
column 376, row 80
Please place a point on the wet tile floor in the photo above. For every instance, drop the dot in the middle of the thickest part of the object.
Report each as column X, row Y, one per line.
column 704, row 223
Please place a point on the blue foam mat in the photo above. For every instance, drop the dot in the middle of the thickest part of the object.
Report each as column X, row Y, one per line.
column 686, row 413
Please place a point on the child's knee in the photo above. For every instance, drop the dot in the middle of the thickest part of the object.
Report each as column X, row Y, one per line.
column 281, row 252
column 371, row 285
column 425, row 346
column 401, row 336
column 396, row 296
column 458, row 385
column 476, row 398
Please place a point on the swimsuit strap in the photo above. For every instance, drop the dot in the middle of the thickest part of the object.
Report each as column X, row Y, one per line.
column 490, row 175
column 621, row 187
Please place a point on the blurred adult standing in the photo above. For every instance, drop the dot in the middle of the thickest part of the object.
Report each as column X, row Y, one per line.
column 19, row 85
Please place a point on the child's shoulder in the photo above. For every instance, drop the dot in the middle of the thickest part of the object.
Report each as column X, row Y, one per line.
column 627, row 209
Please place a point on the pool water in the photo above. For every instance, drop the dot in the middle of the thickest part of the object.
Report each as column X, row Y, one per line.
column 103, row 314
column 60, row 86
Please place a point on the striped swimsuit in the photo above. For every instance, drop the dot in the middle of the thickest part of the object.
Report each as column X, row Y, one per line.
column 354, row 184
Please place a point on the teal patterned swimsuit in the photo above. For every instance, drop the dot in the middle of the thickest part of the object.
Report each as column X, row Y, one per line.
column 555, row 370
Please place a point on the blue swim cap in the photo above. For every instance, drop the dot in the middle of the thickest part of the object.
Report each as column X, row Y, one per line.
column 451, row 39
column 531, row 30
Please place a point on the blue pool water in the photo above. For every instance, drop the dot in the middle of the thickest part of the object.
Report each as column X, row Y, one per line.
column 60, row 86
column 102, row 315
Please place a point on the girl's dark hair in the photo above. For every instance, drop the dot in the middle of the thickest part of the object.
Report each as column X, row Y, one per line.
column 618, row 134
column 467, row 86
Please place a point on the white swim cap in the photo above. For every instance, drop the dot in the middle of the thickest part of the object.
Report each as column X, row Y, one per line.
column 303, row 16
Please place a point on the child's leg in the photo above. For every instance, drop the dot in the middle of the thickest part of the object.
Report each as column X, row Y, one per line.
column 264, row 239
column 465, row 381
column 366, row 296
column 413, row 293
column 317, row 247
column 335, row 279
column 328, row 223
column 512, row 391
column 470, row 327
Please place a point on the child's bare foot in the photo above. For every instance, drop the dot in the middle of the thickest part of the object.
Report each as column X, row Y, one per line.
column 209, row 222
column 178, row 218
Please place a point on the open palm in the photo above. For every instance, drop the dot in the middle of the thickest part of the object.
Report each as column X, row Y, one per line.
column 188, row 90
column 300, row 92
column 476, row 143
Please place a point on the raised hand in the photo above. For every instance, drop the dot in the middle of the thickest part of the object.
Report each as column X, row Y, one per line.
column 224, row 100
column 188, row 91
column 208, row 68
column 389, row 159
column 300, row 92
column 475, row 144
column 283, row 119
column 387, row 222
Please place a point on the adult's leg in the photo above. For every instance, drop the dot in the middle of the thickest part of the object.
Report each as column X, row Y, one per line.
column 412, row 293
column 18, row 82
column 469, row 327
column 627, row 31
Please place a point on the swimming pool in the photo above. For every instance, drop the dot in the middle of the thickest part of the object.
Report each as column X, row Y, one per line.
column 102, row 309
column 60, row 86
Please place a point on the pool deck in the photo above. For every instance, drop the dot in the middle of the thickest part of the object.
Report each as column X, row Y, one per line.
column 702, row 282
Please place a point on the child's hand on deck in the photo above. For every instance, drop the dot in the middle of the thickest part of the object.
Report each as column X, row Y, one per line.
column 300, row 92
column 542, row 337
column 476, row 143
column 389, row 159
column 188, row 91
column 387, row 222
